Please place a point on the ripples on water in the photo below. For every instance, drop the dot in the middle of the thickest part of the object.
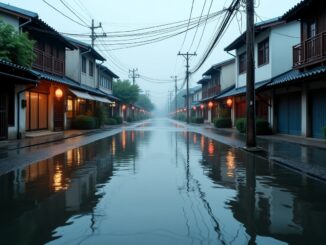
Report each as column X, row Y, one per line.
column 156, row 185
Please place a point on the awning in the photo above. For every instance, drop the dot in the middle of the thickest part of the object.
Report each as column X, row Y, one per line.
column 241, row 90
column 82, row 95
column 101, row 99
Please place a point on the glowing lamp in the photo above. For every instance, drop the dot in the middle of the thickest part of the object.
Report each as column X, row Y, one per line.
column 58, row 93
column 229, row 102
column 202, row 107
column 210, row 104
column 123, row 107
column 184, row 109
column 194, row 108
column 133, row 108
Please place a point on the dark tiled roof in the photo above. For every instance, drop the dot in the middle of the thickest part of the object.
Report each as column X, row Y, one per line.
column 259, row 27
column 241, row 90
column 295, row 75
column 85, row 47
column 208, row 98
column 17, row 10
column 291, row 14
column 107, row 70
column 218, row 66
column 204, row 80
column 11, row 69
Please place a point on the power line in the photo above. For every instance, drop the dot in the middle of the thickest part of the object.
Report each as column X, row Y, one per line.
column 64, row 14
column 72, row 11
column 184, row 39
column 224, row 25
column 201, row 14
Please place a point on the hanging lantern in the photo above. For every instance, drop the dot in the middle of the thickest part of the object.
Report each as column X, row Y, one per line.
column 210, row 104
column 202, row 107
column 194, row 108
column 58, row 93
column 229, row 102
column 124, row 107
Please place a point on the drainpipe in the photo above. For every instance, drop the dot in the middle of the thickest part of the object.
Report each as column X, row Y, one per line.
column 231, row 54
column 80, row 62
column 98, row 75
column 18, row 109
column 24, row 24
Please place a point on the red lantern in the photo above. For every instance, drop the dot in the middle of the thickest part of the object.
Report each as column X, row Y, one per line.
column 210, row 104
column 202, row 107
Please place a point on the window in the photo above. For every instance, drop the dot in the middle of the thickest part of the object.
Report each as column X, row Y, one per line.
column 70, row 107
column 91, row 68
column 242, row 63
column 263, row 52
column 311, row 29
column 84, row 64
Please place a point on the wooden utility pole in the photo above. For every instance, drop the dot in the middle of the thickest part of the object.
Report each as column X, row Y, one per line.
column 133, row 74
column 93, row 34
column 175, row 92
column 187, row 57
column 250, row 96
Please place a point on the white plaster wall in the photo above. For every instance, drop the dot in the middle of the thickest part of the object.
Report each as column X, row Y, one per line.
column 227, row 76
column 85, row 77
column 73, row 64
column 263, row 72
column 10, row 19
column 12, row 130
column 283, row 38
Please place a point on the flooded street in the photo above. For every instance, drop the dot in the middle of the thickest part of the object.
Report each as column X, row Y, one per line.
column 159, row 184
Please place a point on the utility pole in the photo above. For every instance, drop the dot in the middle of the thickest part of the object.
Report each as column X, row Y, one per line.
column 250, row 96
column 93, row 35
column 170, row 100
column 175, row 92
column 133, row 74
column 187, row 57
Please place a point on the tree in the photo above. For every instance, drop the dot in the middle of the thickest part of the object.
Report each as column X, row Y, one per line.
column 144, row 102
column 125, row 91
column 15, row 47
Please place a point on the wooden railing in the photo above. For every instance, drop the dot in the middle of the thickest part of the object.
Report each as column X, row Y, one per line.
column 310, row 52
column 48, row 63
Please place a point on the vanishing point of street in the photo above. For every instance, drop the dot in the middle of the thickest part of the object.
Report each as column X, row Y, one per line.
column 159, row 183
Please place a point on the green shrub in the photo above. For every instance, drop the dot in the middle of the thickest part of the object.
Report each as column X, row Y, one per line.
column 181, row 117
column 199, row 120
column 129, row 119
column 263, row 127
column 111, row 121
column 101, row 115
column 118, row 119
column 222, row 122
column 84, row 122
column 241, row 125
column 224, row 113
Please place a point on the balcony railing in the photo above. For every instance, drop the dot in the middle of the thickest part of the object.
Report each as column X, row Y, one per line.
column 310, row 52
column 48, row 63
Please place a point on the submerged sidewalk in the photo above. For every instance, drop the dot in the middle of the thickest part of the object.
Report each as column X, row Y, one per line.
column 305, row 155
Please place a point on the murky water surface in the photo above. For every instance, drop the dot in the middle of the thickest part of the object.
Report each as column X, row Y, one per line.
column 159, row 184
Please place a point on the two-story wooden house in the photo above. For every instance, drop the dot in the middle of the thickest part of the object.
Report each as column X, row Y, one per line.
column 215, row 80
column 274, row 39
column 105, row 79
column 299, row 95
column 95, row 84
column 44, row 110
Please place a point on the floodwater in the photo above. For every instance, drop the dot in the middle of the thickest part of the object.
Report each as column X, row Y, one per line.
column 159, row 184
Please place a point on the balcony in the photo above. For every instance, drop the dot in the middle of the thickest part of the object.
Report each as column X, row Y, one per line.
column 48, row 63
column 310, row 52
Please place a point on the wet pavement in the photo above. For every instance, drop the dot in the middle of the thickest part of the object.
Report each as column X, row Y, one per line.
column 159, row 184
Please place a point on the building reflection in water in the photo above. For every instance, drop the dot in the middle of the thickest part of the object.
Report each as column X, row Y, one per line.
column 269, row 201
column 44, row 195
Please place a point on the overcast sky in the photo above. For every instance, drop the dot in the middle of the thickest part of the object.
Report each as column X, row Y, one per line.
column 159, row 60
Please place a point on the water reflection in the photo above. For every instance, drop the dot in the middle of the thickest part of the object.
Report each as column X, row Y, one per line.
column 160, row 187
